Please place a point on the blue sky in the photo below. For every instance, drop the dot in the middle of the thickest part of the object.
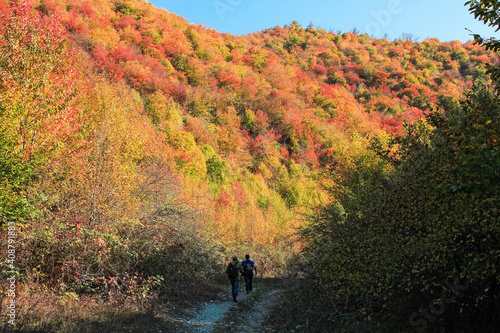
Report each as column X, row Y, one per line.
column 443, row 19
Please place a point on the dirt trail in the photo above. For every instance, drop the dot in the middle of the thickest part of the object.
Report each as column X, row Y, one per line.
column 260, row 311
column 223, row 315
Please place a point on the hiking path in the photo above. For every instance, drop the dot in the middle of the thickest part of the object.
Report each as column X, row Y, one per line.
column 221, row 314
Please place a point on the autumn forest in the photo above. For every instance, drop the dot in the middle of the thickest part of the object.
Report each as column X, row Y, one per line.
column 136, row 147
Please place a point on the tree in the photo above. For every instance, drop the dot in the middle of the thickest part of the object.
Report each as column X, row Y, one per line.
column 488, row 12
column 39, row 108
column 423, row 215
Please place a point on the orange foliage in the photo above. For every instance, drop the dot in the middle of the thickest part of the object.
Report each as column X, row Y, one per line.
column 275, row 106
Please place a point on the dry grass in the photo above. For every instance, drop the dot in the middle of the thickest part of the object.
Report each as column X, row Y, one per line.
column 40, row 310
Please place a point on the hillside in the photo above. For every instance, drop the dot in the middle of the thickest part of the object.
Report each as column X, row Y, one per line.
column 135, row 145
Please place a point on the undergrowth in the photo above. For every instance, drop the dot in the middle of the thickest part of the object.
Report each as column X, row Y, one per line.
column 39, row 309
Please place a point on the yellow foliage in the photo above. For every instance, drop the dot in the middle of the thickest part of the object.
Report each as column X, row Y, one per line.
column 129, row 34
column 190, row 159
column 106, row 36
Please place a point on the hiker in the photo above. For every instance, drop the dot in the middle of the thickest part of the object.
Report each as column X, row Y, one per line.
column 248, row 269
column 233, row 271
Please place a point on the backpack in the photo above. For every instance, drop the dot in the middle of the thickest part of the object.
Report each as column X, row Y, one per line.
column 232, row 271
column 248, row 266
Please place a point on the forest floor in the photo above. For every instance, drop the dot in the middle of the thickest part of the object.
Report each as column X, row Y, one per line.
column 210, row 310
column 220, row 314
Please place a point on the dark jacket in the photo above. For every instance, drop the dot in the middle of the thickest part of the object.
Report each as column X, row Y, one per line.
column 238, row 267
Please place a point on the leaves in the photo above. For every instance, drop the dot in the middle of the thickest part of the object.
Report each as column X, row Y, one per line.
column 131, row 140
column 423, row 214
column 487, row 12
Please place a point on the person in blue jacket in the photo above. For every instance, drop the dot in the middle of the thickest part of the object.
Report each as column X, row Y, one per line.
column 249, row 270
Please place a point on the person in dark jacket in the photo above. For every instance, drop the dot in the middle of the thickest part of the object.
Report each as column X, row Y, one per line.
column 249, row 270
column 233, row 271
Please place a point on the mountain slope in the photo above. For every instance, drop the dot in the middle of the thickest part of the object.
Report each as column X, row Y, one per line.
column 139, row 145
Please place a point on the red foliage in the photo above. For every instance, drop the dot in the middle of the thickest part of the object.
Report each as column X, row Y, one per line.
column 223, row 200
column 155, row 51
column 247, row 59
column 255, row 144
column 395, row 51
column 261, row 122
column 353, row 78
column 107, row 65
column 122, row 53
column 86, row 9
column 279, row 87
column 103, row 22
column 292, row 121
column 38, row 72
column 352, row 67
column 224, row 78
column 309, row 157
column 74, row 24
column 100, row 54
column 327, row 90
column 385, row 89
column 412, row 114
column 380, row 78
column 4, row 14
column 227, row 78
column 178, row 91
column 410, row 92
column 319, row 69
column 285, row 153
column 125, row 21
column 238, row 192
column 391, row 125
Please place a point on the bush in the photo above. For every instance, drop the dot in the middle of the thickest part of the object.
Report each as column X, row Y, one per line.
column 415, row 227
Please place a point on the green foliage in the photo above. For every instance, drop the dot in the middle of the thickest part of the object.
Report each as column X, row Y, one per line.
column 293, row 42
column 15, row 175
column 216, row 167
column 189, row 158
column 473, row 131
column 248, row 120
column 407, row 223
column 33, row 51
column 154, row 106
column 488, row 12
column 335, row 77
column 180, row 62
column 104, row 169
column 192, row 38
column 125, row 8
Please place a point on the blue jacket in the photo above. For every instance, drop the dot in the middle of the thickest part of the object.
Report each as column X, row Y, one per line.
column 244, row 263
